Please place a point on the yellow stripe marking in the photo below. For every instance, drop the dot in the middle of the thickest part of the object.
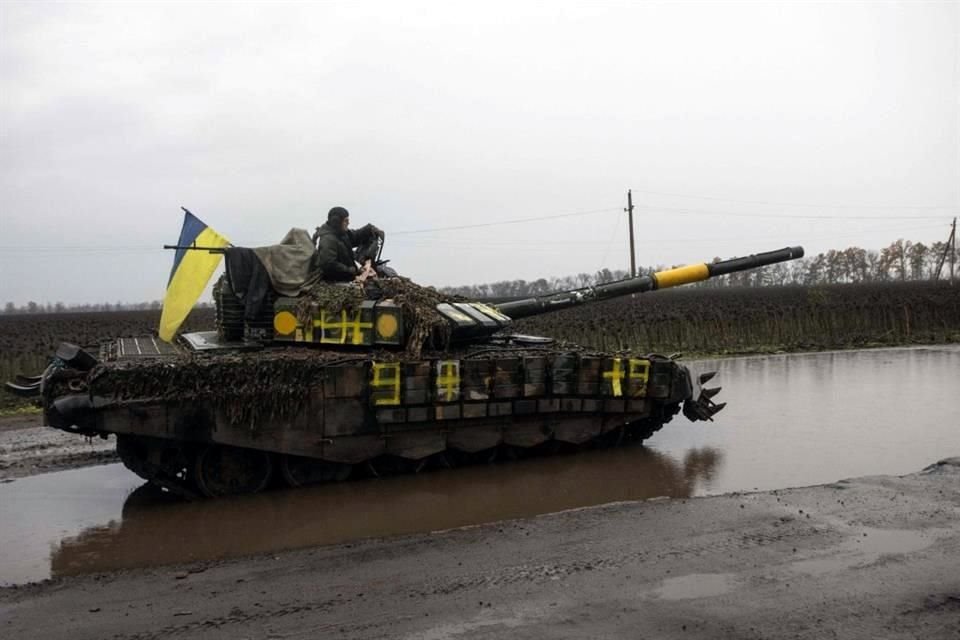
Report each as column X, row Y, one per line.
column 681, row 275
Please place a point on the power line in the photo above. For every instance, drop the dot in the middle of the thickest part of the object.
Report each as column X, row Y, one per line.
column 503, row 222
column 86, row 249
column 796, row 204
column 609, row 242
column 707, row 212
column 859, row 234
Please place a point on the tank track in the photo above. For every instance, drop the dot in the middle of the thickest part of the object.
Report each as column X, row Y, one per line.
column 175, row 467
column 145, row 457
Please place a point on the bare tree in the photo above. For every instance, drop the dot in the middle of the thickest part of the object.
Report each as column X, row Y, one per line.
column 916, row 258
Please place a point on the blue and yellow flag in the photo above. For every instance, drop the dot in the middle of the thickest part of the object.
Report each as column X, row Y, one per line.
column 191, row 272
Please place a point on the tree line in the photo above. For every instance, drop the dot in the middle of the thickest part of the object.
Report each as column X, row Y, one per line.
column 59, row 307
column 902, row 260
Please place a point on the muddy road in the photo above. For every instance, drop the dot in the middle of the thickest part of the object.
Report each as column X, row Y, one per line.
column 868, row 558
column 535, row 548
column 793, row 420
column 27, row 449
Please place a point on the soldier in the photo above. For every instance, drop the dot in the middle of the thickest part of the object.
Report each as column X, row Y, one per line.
column 335, row 242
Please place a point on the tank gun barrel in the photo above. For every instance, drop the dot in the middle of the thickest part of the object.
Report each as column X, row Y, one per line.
column 665, row 279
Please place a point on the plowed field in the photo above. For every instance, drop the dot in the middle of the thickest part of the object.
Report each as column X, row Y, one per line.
column 692, row 320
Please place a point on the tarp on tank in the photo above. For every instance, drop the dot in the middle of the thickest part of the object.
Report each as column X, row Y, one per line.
column 289, row 264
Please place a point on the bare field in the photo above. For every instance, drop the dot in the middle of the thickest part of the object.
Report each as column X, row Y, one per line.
column 28, row 340
column 727, row 320
column 739, row 320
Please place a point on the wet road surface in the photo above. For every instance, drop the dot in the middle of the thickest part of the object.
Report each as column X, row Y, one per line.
column 792, row 420
column 860, row 559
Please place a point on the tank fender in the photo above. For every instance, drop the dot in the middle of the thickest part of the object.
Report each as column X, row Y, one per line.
column 75, row 357
column 73, row 413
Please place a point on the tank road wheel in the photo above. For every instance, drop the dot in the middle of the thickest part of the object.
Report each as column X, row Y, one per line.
column 385, row 466
column 223, row 471
column 611, row 439
column 299, row 471
column 133, row 452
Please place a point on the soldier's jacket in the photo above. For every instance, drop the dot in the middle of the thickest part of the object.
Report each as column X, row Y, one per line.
column 335, row 257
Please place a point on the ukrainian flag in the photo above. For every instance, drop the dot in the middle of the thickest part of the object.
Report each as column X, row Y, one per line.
column 191, row 272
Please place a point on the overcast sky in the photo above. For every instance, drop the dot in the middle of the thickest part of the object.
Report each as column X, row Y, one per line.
column 734, row 124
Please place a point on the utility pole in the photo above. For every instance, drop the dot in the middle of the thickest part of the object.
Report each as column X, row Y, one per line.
column 949, row 250
column 633, row 252
column 953, row 247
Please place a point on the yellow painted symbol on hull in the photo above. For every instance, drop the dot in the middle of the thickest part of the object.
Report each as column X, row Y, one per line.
column 344, row 327
column 387, row 326
column 285, row 323
column 448, row 380
column 386, row 377
column 639, row 371
column 615, row 375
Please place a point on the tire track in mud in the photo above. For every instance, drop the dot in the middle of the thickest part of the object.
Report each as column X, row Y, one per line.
column 236, row 616
column 551, row 571
column 717, row 543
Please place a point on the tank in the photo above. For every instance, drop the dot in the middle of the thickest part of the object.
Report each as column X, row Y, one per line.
column 344, row 380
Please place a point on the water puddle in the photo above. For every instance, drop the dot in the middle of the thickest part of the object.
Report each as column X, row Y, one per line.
column 868, row 546
column 696, row 585
column 94, row 519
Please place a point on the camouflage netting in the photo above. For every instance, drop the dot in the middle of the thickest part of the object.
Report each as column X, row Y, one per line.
column 248, row 388
column 254, row 388
column 425, row 327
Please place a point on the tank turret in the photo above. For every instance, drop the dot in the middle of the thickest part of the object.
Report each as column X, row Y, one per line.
column 381, row 313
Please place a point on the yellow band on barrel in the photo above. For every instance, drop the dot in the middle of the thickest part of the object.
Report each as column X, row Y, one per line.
column 681, row 275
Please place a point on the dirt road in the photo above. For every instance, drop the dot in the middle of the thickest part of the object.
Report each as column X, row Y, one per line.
column 867, row 558
column 26, row 448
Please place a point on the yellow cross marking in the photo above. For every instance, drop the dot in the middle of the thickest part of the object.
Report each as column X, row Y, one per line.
column 615, row 375
column 459, row 315
column 353, row 327
column 640, row 371
column 448, row 379
column 490, row 311
column 387, row 375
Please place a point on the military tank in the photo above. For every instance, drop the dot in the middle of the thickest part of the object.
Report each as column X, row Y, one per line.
column 378, row 378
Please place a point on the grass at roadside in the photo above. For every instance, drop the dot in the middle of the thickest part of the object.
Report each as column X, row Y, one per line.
column 20, row 410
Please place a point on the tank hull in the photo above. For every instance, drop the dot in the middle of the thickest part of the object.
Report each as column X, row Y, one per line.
column 313, row 418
